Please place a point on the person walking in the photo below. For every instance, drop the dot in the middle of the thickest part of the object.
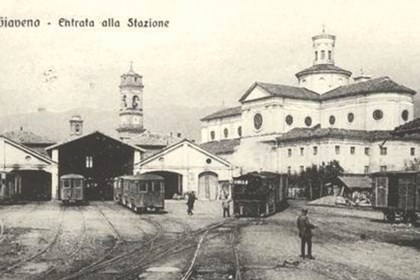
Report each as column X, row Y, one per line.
column 305, row 233
column 226, row 207
column 190, row 203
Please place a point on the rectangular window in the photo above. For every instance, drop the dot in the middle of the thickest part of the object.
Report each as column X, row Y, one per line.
column 412, row 151
column 337, row 150
column 315, row 150
column 302, row 169
column 367, row 151
column 289, row 170
column 366, row 169
column 289, row 152
column 301, row 151
column 383, row 151
column 143, row 187
column 156, row 186
column 383, row 168
column 89, row 161
column 352, row 150
column 322, row 54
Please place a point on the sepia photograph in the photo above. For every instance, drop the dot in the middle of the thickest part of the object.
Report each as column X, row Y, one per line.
column 209, row 140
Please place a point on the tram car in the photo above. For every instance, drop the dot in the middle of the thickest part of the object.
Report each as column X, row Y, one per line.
column 397, row 194
column 72, row 188
column 140, row 193
column 259, row 194
column 8, row 187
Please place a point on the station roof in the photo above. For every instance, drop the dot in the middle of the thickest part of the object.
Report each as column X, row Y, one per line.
column 356, row 182
column 27, row 137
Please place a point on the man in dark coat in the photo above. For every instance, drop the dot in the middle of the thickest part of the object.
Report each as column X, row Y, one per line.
column 305, row 233
column 190, row 203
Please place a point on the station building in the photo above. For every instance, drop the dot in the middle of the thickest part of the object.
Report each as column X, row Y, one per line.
column 327, row 116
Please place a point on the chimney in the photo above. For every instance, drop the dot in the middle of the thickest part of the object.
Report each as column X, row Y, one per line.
column 362, row 77
column 76, row 126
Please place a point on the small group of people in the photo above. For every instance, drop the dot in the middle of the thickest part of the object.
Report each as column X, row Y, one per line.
column 191, row 198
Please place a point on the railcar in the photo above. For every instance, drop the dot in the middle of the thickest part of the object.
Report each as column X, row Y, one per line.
column 397, row 194
column 259, row 194
column 141, row 193
column 8, row 187
column 72, row 188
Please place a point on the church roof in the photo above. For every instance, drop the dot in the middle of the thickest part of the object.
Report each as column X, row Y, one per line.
column 408, row 128
column 283, row 91
column 382, row 84
column 229, row 112
column 27, row 137
column 323, row 68
column 221, row 147
column 338, row 133
column 154, row 139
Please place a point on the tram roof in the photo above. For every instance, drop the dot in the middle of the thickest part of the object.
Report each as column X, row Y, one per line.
column 72, row 176
column 142, row 177
column 261, row 175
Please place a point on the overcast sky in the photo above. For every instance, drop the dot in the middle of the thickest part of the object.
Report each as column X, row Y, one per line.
column 210, row 54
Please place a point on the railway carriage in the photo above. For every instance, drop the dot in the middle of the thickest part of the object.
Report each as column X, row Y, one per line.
column 8, row 187
column 397, row 194
column 72, row 188
column 143, row 192
column 259, row 194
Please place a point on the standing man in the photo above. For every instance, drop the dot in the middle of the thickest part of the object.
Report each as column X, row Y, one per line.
column 190, row 203
column 225, row 206
column 305, row 233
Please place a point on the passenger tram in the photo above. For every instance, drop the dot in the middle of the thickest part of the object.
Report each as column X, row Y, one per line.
column 397, row 194
column 259, row 194
column 72, row 189
column 140, row 193
column 9, row 187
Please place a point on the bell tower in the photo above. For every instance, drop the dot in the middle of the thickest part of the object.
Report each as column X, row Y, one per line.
column 131, row 104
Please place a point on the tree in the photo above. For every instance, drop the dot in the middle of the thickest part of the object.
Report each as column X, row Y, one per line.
column 314, row 178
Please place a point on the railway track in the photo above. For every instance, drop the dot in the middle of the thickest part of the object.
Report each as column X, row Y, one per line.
column 51, row 244
column 67, row 256
column 6, row 233
column 166, row 249
column 221, row 259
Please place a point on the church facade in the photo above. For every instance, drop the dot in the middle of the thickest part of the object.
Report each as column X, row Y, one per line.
column 328, row 116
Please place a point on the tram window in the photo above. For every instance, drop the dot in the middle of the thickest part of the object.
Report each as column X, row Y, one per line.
column 156, row 187
column 143, row 187
column 66, row 183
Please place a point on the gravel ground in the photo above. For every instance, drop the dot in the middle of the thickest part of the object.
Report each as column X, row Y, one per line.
column 103, row 240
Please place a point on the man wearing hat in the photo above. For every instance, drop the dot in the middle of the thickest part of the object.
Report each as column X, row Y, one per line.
column 305, row 233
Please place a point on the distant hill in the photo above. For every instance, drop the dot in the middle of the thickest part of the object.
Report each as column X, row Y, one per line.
column 55, row 125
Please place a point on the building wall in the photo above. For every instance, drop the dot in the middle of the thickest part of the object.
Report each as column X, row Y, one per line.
column 397, row 157
column 218, row 126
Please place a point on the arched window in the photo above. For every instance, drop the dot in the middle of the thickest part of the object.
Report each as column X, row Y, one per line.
column 350, row 117
column 77, row 128
column 239, row 131
column 226, row 132
column 308, row 121
column 212, row 135
column 316, row 55
column 404, row 115
column 329, row 55
column 135, row 101
column 258, row 121
column 322, row 54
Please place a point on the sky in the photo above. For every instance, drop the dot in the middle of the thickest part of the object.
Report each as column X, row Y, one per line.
column 210, row 55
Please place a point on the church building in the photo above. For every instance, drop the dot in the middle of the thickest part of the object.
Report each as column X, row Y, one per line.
column 328, row 116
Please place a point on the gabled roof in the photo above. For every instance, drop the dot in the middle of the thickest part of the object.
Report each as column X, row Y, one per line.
column 180, row 143
column 378, row 85
column 148, row 138
column 229, row 112
column 337, row 133
column 27, row 137
column 89, row 134
column 28, row 150
column 221, row 147
column 283, row 91
column 323, row 68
